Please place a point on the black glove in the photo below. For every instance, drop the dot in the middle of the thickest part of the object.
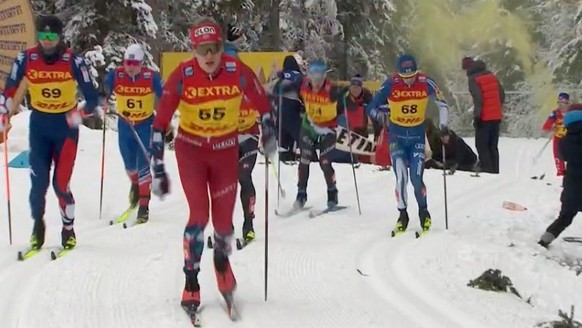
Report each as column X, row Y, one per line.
column 234, row 33
column 268, row 136
column 169, row 136
column 160, row 182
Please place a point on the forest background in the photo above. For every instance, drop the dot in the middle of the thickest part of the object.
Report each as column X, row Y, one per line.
column 533, row 46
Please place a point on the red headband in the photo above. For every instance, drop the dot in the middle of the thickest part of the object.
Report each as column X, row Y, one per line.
column 208, row 32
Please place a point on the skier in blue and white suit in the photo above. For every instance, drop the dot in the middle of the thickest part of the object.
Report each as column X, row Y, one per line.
column 407, row 94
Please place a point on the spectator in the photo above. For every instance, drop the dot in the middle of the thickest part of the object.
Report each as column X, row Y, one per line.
column 459, row 156
column 488, row 98
column 555, row 124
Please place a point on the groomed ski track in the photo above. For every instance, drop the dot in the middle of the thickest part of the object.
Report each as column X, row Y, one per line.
column 133, row 277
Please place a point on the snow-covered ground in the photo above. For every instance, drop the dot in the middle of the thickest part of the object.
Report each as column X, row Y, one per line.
column 133, row 278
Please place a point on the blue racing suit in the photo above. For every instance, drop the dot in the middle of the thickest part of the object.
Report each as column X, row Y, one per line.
column 407, row 111
column 136, row 100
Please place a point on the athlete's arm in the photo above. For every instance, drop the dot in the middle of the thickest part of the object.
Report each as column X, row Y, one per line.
column 379, row 99
column 109, row 83
column 16, row 75
column 85, row 82
column 437, row 98
column 169, row 100
column 158, row 85
column 253, row 89
column 549, row 123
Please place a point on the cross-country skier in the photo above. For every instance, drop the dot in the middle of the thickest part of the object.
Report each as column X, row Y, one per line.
column 570, row 148
column 555, row 124
column 407, row 93
column 248, row 143
column 320, row 97
column 288, row 87
column 136, row 89
column 207, row 90
column 52, row 73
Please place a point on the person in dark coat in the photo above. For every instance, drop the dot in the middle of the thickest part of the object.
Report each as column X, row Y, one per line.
column 459, row 156
column 287, row 87
column 570, row 148
column 488, row 98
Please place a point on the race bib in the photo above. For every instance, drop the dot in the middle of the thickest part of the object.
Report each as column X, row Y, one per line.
column 247, row 119
column 212, row 118
column 134, row 107
column 321, row 113
column 53, row 97
column 408, row 113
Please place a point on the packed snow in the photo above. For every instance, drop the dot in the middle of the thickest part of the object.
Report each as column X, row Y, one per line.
column 336, row 270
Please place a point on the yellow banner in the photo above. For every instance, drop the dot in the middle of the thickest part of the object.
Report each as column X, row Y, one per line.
column 263, row 63
column 17, row 33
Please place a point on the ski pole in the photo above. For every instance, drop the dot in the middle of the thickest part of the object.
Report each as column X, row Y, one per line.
column 351, row 151
column 445, row 187
column 7, row 173
column 276, row 173
column 102, row 163
column 17, row 99
column 539, row 154
column 280, row 109
column 266, row 227
column 144, row 151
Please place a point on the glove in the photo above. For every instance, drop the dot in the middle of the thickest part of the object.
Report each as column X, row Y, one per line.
column 268, row 136
column 380, row 116
column 476, row 123
column 160, row 182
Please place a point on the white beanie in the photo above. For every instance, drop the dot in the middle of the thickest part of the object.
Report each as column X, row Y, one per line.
column 134, row 52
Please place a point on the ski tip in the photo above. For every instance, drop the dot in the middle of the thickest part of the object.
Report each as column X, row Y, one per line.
column 53, row 256
column 417, row 234
column 239, row 244
column 20, row 256
column 125, row 226
column 209, row 243
column 392, row 233
column 111, row 223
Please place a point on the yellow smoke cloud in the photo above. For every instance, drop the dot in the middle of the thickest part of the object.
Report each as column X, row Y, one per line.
column 442, row 33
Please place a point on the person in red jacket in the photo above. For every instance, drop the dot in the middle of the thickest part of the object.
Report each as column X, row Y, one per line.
column 555, row 123
column 488, row 98
column 208, row 90
column 353, row 105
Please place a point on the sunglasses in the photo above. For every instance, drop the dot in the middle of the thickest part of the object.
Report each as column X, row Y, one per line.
column 132, row 62
column 49, row 36
column 203, row 49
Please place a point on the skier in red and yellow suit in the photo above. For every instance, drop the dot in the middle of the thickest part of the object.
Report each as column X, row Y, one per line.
column 207, row 90
column 555, row 123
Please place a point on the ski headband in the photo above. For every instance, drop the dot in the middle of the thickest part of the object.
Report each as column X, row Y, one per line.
column 207, row 32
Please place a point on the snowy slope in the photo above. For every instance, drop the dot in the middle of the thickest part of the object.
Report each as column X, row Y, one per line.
column 133, row 278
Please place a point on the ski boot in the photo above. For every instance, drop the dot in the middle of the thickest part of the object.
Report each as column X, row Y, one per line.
column 38, row 232
column 401, row 223
column 191, row 297
column 143, row 214
column 332, row 197
column 134, row 195
column 248, row 231
column 68, row 238
column 425, row 221
column 226, row 281
column 300, row 200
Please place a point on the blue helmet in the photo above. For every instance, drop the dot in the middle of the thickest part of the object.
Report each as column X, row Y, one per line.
column 317, row 70
column 406, row 64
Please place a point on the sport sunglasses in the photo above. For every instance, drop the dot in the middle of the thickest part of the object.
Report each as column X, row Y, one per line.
column 132, row 62
column 203, row 49
column 48, row 36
